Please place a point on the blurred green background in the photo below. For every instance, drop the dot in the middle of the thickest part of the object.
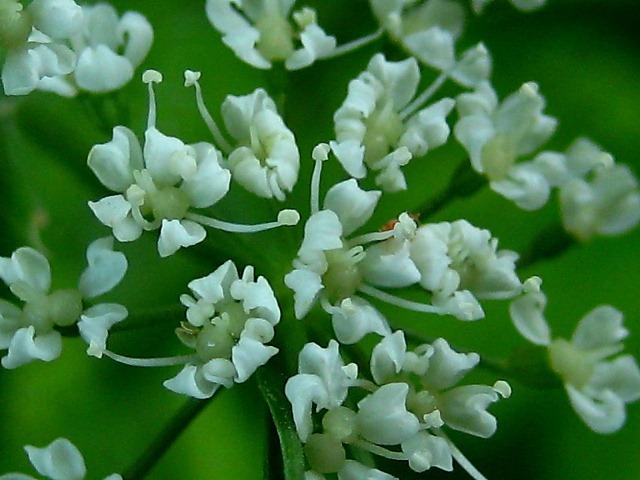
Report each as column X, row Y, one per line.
column 585, row 56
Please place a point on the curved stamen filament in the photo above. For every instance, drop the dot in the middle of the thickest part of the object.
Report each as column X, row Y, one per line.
column 355, row 44
column 96, row 351
column 150, row 77
column 371, row 237
column 380, row 451
column 286, row 217
column 460, row 458
column 191, row 79
column 401, row 302
column 320, row 154
column 424, row 96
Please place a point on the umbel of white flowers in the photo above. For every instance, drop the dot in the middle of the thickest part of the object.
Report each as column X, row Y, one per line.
column 230, row 320
column 59, row 46
column 162, row 182
column 456, row 262
column 30, row 332
column 413, row 396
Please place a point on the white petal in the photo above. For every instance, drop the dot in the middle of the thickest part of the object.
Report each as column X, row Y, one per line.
column 353, row 205
column 249, row 354
column 115, row 212
column 387, row 357
column 389, row 264
column 105, row 269
column 60, row 460
column 605, row 414
column 425, row 451
column 100, row 69
column 210, row 182
column 446, row 366
column 620, row 376
column 179, row 233
column 601, row 327
column 186, row 384
column 474, row 67
column 58, row 19
column 168, row 159
column 356, row 318
column 434, row 46
column 214, row 286
column 114, row 162
column 26, row 347
column 383, row 417
column 29, row 266
column 315, row 44
column 465, row 409
column 94, row 323
column 139, row 34
column 527, row 314
column 306, row 286
column 350, row 154
column 428, row 128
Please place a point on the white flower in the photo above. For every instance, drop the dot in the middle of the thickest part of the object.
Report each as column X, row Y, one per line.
column 383, row 418
column 261, row 33
column 460, row 263
column 429, row 30
column 71, row 47
column 439, row 368
column 372, row 128
column 230, row 319
column 60, row 460
column 157, row 186
column 598, row 387
column 101, row 67
column 29, row 333
column 496, row 135
column 322, row 379
column 607, row 204
column 265, row 160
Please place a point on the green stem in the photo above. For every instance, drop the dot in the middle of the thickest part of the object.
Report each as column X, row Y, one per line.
column 464, row 182
column 169, row 434
column 550, row 243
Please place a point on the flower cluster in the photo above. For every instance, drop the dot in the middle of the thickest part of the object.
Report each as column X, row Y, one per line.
column 413, row 395
column 62, row 47
column 365, row 391
column 29, row 332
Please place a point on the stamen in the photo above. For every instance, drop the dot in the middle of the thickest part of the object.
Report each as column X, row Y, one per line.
column 355, row 44
column 320, row 154
column 401, row 302
column 380, row 451
column 191, row 80
column 287, row 217
column 95, row 350
column 459, row 457
column 150, row 77
column 424, row 96
column 370, row 238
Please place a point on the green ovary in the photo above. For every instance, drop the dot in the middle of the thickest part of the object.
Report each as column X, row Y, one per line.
column 15, row 24
column 276, row 35
column 342, row 278
column 574, row 365
column 384, row 128
column 168, row 203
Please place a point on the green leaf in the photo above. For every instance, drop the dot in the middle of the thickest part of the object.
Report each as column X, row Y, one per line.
column 271, row 382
